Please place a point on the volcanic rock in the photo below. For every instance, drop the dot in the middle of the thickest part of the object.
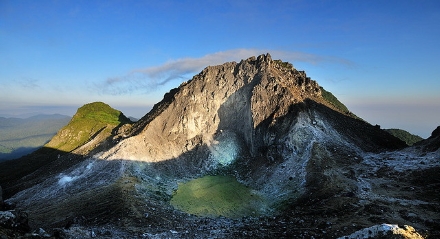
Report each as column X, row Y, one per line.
column 436, row 132
column 432, row 143
column 316, row 169
column 386, row 231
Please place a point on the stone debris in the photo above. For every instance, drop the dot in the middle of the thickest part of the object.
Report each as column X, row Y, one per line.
column 385, row 231
column 7, row 219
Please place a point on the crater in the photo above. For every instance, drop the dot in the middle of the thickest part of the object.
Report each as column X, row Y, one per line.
column 215, row 196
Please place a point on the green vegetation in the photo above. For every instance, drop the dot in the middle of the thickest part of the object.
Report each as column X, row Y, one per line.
column 284, row 64
column 22, row 136
column 217, row 196
column 330, row 98
column 405, row 136
column 93, row 124
column 89, row 121
column 100, row 112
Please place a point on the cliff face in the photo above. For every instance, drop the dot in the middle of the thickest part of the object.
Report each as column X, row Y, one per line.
column 245, row 99
column 235, row 97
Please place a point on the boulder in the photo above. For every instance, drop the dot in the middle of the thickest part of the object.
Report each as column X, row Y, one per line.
column 7, row 219
column 385, row 231
column 14, row 220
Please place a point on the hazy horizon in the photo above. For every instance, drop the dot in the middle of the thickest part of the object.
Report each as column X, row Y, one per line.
column 379, row 58
column 139, row 111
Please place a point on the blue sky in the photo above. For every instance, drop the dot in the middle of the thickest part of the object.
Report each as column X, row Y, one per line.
column 380, row 58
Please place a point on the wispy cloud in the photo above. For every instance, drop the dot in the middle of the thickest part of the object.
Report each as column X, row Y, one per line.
column 28, row 83
column 148, row 79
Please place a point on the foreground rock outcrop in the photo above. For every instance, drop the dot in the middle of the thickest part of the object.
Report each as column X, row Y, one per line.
column 315, row 168
column 386, row 231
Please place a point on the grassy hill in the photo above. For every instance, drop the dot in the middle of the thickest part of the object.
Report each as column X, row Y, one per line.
column 329, row 97
column 405, row 136
column 19, row 137
column 93, row 125
column 91, row 121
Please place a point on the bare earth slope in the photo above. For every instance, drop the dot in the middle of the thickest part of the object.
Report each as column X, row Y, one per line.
column 314, row 168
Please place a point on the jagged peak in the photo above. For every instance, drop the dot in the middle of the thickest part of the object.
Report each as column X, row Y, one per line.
column 260, row 58
column 278, row 76
column 235, row 96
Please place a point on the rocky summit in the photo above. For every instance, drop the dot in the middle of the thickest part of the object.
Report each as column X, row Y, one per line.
column 249, row 149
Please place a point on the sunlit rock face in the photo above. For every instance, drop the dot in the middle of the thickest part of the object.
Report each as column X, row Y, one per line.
column 233, row 96
column 229, row 105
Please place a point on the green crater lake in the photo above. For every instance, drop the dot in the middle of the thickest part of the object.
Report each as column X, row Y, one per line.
column 213, row 196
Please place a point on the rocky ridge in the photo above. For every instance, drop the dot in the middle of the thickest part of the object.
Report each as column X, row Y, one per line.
column 322, row 172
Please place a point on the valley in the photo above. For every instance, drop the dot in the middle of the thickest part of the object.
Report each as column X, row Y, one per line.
column 19, row 136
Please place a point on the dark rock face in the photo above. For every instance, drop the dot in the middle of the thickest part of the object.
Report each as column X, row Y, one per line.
column 322, row 172
column 432, row 143
column 14, row 224
column 435, row 133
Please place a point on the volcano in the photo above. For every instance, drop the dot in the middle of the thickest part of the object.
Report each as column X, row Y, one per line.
column 248, row 149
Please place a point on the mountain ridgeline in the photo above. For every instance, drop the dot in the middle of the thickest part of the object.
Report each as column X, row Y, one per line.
column 240, row 150
column 405, row 136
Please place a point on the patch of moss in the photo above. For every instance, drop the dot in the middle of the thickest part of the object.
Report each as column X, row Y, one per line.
column 100, row 112
column 405, row 136
column 330, row 98
column 214, row 196
column 284, row 64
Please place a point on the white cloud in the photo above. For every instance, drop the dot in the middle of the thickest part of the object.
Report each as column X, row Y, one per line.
column 149, row 78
